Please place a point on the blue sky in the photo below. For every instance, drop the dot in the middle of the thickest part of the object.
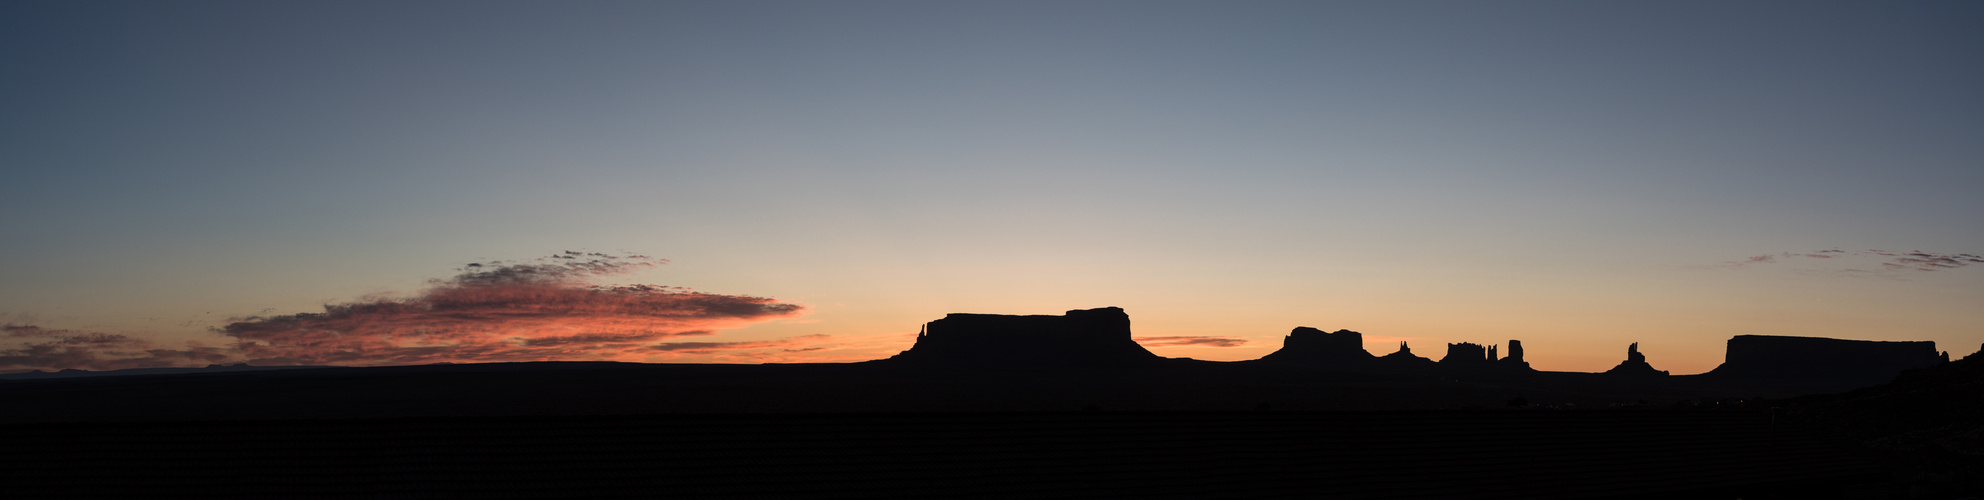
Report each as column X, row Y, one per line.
column 1577, row 175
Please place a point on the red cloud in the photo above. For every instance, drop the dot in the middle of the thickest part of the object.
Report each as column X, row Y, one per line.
column 537, row 311
column 1190, row 341
column 541, row 310
column 58, row 349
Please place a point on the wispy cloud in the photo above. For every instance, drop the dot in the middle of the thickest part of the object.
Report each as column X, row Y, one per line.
column 1773, row 258
column 1923, row 261
column 538, row 310
column 1190, row 341
column 1870, row 261
column 784, row 345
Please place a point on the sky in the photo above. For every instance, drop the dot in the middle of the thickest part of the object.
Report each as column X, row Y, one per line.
column 371, row 183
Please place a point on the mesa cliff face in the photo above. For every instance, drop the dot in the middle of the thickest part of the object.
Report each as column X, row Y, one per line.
column 1847, row 363
column 1091, row 337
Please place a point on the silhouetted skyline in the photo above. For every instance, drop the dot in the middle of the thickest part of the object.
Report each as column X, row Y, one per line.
column 1025, row 396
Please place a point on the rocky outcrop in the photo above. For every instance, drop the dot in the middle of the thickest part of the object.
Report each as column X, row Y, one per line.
column 1404, row 359
column 1476, row 358
column 1822, row 361
column 1467, row 354
column 1515, row 356
column 1635, row 365
column 1092, row 337
column 1310, row 346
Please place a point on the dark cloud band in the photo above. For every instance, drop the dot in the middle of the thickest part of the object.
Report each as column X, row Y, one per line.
column 1190, row 341
column 1886, row 260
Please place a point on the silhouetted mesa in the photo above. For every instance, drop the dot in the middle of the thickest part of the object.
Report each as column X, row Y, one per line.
column 1635, row 365
column 1311, row 346
column 1472, row 357
column 1467, row 354
column 1093, row 337
column 1846, row 363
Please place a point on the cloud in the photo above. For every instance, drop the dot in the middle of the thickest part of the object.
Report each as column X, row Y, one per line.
column 1884, row 261
column 709, row 347
column 508, row 311
column 1771, row 258
column 1190, row 341
column 1923, row 261
column 55, row 349
column 539, row 310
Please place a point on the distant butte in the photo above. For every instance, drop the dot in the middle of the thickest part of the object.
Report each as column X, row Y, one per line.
column 1847, row 363
column 1635, row 365
column 1310, row 346
column 1080, row 338
column 1467, row 354
column 1344, row 350
column 1472, row 357
column 1404, row 359
column 1515, row 356
column 1101, row 338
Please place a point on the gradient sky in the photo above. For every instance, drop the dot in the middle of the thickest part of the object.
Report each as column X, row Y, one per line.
column 1577, row 175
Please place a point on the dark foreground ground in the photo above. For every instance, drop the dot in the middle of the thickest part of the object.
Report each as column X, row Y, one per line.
column 542, row 430
column 598, row 388
column 1246, row 454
